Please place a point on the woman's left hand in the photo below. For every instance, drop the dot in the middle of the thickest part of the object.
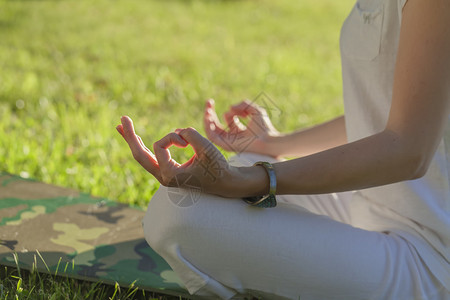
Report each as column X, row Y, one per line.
column 208, row 166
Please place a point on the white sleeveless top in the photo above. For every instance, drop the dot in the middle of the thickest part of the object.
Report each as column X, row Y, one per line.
column 418, row 210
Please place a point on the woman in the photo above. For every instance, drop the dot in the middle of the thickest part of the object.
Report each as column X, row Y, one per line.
column 363, row 213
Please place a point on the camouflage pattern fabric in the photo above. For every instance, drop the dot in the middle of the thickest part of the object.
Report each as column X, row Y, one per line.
column 58, row 230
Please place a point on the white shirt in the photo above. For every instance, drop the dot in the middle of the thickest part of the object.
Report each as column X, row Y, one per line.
column 418, row 210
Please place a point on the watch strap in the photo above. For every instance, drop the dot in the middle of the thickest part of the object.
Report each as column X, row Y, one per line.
column 268, row 200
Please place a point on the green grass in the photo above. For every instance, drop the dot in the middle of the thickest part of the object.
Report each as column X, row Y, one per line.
column 70, row 69
column 17, row 284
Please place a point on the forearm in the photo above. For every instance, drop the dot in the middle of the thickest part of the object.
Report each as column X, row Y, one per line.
column 308, row 141
column 376, row 160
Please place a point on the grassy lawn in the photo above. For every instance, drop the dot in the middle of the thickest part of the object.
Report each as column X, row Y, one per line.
column 70, row 69
column 20, row 284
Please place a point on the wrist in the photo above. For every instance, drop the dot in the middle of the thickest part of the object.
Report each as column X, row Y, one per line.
column 271, row 145
column 268, row 200
column 249, row 182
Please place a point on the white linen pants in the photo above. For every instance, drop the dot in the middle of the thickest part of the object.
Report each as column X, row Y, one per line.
column 305, row 248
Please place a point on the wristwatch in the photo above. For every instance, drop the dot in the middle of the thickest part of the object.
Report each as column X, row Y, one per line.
column 268, row 200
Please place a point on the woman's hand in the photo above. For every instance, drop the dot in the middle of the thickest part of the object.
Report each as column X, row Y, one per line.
column 209, row 167
column 236, row 137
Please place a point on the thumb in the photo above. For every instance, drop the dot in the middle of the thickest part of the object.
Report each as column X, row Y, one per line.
column 245, row 108
column 195, row 139
column 205, row 151
column 207, row 156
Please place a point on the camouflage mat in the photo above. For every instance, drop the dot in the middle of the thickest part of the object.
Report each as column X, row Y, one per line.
column 58, row 230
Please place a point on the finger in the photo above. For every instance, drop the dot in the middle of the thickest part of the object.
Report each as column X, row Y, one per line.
column 233, row 122
column 258, row 115
column 195, row 139
column 140, row 153
column 128, row 132
column 143, row 146
column 211, row 122
column 171, row 139
column 216, row 134
column 210, row 115
column 162, row 152
column 212, row 128
column 229, row 119
column 210, row 103
column 119, row 129
column 245, row 108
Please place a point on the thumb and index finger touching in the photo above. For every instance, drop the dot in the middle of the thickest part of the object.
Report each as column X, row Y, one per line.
column 161, row 159
column 216, row 132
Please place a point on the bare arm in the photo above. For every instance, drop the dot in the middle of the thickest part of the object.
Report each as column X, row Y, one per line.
column 265, row 139
column 403, row 150
column 419, row 113
column 309, row 141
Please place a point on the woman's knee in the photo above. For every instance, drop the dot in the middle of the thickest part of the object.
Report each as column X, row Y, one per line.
column 165, row 222
column 156, row 227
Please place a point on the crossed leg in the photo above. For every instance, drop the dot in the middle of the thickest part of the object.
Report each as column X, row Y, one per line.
column 223, row 248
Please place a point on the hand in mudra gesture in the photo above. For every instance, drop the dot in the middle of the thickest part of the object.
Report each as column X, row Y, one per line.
column 208, row 164
column 236, row 136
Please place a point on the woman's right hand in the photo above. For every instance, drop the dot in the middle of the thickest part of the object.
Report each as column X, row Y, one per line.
column 254, row 137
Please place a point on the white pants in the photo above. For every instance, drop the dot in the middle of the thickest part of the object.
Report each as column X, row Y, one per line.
column 305, row 248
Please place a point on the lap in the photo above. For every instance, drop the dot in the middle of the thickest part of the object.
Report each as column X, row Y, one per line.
column 300, row 249
column 223, row 246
